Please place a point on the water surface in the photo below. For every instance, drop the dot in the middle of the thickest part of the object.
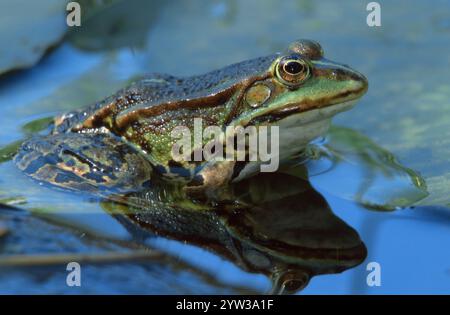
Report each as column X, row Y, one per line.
column 380, row 175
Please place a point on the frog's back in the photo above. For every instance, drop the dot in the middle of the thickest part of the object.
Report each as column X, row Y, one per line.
column 156, row 89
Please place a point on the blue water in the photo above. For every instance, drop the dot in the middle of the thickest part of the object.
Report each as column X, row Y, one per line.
column 410, row 244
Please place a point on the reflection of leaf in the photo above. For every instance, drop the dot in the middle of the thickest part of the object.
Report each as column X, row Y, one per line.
column 36, row 125
column 7, row 152
column 345, row 140
column 360, row 170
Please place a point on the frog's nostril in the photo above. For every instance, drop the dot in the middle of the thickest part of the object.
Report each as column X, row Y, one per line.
column 363, row 82
column 357, row 76
column 362, row 78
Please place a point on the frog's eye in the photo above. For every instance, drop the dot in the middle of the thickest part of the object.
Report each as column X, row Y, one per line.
column 292, row 70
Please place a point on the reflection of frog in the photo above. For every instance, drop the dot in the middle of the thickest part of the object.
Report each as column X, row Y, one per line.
column 274, row 223
column 117, row 142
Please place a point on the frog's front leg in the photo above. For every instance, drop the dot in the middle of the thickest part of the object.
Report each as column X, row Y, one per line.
column 212, row 180
column 98, row 163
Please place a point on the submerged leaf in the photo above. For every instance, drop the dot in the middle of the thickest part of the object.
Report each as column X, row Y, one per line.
column 351, row 166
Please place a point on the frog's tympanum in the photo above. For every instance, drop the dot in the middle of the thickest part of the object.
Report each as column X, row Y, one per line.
column 119, row 142
column 275, row 224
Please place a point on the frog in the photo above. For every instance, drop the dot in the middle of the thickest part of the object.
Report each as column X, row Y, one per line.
column 125, row 141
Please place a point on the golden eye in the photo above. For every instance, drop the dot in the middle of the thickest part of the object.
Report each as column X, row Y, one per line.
column 292, row 70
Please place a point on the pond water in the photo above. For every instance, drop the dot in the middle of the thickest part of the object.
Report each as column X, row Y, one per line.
column 375, row 189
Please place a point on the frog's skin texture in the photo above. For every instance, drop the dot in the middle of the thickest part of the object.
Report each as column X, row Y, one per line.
column 298, row 90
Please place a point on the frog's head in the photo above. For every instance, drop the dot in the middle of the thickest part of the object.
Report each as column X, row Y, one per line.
column 300, row 89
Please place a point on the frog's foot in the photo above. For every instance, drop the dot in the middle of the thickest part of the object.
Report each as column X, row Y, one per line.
column 84, row 162
column 211, row 182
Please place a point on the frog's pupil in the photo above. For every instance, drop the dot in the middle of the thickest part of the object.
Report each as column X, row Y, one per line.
column 293, row 67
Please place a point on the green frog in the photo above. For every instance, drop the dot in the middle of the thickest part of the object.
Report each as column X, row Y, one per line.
column 120, row 143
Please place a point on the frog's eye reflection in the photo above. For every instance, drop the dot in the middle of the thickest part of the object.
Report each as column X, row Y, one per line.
column 293, row 67
column 292, row 70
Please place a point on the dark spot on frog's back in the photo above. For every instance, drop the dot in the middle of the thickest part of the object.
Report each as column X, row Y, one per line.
column 64, row 177
column 98, row 177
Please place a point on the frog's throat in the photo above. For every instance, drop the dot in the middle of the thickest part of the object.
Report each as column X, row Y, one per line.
column 296, row 131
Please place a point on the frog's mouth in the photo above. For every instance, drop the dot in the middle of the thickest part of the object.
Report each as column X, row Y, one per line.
column 295, row 116
column 301, row 116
